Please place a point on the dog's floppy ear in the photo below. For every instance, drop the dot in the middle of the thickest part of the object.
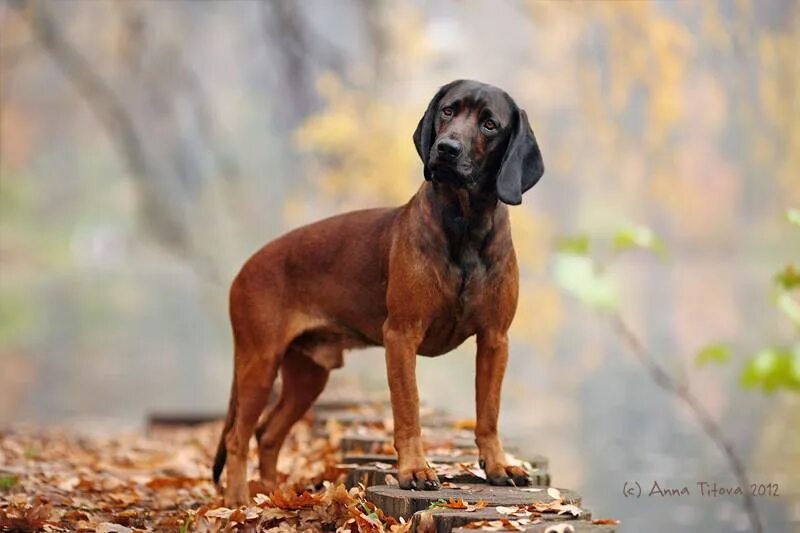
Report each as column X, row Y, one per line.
column 522, row 164
column 424, row 134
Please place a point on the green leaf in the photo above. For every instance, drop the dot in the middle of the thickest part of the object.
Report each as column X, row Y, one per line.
column 788, row 278
column 795, row 365
column 639, row 237
column 574, row 244
column 713, row 353
column 8, row 481
column 437, row 504
column 772, row 369
column 793, row 216
column 790, row 307
column 579, row 276
column 758, row 370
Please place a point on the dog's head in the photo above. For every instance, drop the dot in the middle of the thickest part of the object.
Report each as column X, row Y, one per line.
column 474, row 135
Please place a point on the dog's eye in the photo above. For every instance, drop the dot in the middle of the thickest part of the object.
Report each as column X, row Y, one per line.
column 490, row 125
column 447, row 111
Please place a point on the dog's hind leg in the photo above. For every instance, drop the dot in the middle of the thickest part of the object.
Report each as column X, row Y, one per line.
column 260, row 342
column 255, row 374
column 303, row 380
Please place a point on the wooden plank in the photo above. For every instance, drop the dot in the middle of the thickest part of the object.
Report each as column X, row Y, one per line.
column 167, row 420
column 370, row 474
column 361, row 459
column 447, row 520
column 578, row 526
column 537, row 461
column 377, row 443
column 342, row 404
column 373, row 417
column 370, row 443
column 398, row 502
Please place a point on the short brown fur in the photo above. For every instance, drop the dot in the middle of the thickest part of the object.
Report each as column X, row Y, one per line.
column 417, row 279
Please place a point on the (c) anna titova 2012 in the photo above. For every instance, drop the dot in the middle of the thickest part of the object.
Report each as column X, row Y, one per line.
column 712, row 489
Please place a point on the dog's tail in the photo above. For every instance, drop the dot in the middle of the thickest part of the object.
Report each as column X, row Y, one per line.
column 222, row 450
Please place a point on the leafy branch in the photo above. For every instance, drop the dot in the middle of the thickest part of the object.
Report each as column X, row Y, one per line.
column 772, row 368
column 778, row 367
column 707, row 423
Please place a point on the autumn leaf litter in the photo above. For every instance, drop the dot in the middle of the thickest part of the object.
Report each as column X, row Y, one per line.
column 56, row 480
column 64, row 481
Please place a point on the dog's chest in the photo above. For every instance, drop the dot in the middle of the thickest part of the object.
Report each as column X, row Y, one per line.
column 466, row 289
column 466, row 238
column 457, row 318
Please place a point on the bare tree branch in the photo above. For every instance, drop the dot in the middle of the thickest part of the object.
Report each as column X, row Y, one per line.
column 709, row 426
column 225, row 164
column 284, row 29
column 372, row 13
column 111, row 112
column 299, row 50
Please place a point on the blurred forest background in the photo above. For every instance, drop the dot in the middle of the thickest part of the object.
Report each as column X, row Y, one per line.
column 149, row 147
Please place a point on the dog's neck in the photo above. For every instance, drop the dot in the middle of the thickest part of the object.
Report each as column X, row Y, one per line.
column 465, row 220
column 452, row 203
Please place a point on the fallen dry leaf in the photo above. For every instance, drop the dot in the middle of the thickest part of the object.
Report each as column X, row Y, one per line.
column 465, row 423
column 474, row 469
column 574, row 510
column 108, row 527
column 554, row 493
column 605, row 522
column 512, row 525
column 480, row 504
column 560, row 528
column 455, row 503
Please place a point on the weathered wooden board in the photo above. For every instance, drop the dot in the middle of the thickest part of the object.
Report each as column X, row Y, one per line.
column 371, row 474
column 392, row 459
column 366, row 444
column 377, row 418
column 345, row 404
column 398, row 502
column 167, row 420
column 447, row 520
column 382, row 444
column 350, row 418
column 537, row 461
column 578, row 526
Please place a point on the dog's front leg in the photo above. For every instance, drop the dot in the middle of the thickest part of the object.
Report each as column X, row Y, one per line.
column 490, row 368
column 401, row 354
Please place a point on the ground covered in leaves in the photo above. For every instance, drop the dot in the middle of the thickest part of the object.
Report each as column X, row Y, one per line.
column 56, row 480
column 159, row 480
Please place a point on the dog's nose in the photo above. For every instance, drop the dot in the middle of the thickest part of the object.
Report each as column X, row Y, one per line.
column 448, row 148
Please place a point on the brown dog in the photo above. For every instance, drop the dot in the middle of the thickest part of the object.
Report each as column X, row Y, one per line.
column 417, row 279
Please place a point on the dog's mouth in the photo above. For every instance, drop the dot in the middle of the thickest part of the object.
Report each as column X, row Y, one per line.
column 456, row 174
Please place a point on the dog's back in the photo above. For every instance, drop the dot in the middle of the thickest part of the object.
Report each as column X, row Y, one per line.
column 331, row 273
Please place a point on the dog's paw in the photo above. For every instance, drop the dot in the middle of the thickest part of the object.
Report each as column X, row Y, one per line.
column 236, row 495
column 418, row 479
column 508, row 475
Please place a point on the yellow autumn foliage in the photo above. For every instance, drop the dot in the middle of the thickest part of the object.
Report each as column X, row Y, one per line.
column 362, row 146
